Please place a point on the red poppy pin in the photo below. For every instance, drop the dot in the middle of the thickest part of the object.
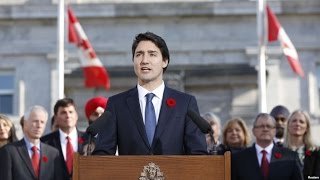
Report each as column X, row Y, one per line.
column 277, row 155
column 171, row 102
column 80, row 140
column 45, row 159
column 308, row 153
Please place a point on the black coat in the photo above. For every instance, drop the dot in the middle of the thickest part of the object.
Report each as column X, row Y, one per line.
column 311, row 164
column 284, row 165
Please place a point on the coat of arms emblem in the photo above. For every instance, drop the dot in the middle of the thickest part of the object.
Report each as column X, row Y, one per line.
column 151, row 172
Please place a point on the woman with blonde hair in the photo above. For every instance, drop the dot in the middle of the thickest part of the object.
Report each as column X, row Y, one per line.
column 7, row 131
column 236, row 136
column 298, row 138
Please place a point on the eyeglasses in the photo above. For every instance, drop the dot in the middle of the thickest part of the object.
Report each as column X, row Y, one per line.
column 264, row 126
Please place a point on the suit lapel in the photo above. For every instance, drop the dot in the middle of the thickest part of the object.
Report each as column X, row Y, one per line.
column 57, row 144
column 309, row 163
column 275, row 157
column 134, row 107
column 80, row 144
column 255, row 161
column 165, row 115
column 255, row 158
column 43, row 161
column 23, row 152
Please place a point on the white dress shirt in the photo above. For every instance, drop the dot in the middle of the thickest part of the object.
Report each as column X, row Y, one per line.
column 259, row 153
column 156, row 100
column 29, row 147
column 74, row 141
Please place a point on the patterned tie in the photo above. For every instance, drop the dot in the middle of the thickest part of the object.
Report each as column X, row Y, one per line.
column 69, row 152
column 35, row 160
column 150, row 118
column 264, row 164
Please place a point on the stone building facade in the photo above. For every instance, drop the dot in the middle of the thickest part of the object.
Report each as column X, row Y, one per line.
column 213, row 47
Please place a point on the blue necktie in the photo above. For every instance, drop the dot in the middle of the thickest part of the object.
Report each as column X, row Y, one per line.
column 150, row 118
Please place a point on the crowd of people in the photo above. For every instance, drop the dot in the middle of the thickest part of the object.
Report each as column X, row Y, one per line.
column 283, row 135
column 153, row 119
column 48, row 157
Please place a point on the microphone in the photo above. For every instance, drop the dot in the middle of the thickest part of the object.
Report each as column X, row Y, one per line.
column 203, row 125
column 95, row 127
column 205, row 128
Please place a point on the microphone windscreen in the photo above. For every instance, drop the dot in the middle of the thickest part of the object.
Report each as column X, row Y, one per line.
column 202, row 124
column 95, row 127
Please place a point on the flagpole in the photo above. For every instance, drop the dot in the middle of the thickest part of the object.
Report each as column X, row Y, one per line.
column 60, row 40
column 261, row 30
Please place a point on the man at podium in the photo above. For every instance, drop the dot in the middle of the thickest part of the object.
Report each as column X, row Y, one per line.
column 151, row 118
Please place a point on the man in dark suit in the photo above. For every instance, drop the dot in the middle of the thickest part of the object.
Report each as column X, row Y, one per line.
column 94, row 108
column 67, row 139
column 151, row 118
column 264, row 160
column 281, row 115
column 29, row 159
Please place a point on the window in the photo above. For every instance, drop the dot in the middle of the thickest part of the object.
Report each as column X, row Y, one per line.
column 6, row 92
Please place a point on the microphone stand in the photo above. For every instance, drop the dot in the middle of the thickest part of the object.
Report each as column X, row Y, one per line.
column 213, row 147
column 89, row 145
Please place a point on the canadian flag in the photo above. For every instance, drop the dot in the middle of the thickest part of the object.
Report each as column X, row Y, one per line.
column 94, row 72
column 276, row 32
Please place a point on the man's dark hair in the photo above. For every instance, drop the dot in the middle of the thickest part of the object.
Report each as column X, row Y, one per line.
column 65, row 102
column 157, row 40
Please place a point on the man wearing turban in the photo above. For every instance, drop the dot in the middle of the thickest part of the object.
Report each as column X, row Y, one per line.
column 94, row 108
column 281, row 115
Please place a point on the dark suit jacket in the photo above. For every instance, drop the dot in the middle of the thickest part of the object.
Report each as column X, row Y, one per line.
column 15, row 162
column 53, row 139
column 175, row 133
column 284, row 165
column 311, row 164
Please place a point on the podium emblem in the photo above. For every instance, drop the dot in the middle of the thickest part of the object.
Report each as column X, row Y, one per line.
column 151, row 172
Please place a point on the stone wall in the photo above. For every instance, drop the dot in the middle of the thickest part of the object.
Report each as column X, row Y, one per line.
column 213, row 48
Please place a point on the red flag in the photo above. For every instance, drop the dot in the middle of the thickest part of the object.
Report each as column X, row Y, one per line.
column 94, row 72
column 276, row 32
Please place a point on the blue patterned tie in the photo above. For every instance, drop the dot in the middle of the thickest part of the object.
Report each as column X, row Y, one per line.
column 150, row 118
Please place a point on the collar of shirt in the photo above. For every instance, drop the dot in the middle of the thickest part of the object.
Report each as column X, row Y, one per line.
column 30, row 145
column 259, row 154
column 278, row 140
column 73, row 135
column 157, row 99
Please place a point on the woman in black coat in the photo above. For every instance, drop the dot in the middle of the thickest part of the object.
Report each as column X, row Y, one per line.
column 298, row 138
column 236, row 136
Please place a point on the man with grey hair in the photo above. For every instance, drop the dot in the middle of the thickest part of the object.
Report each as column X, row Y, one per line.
column 264, row 160
column 29, row 158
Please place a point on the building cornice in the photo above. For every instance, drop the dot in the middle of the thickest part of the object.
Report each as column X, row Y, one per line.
column 161, row 9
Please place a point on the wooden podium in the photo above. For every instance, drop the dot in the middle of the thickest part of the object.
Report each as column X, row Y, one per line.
column 162, row 167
